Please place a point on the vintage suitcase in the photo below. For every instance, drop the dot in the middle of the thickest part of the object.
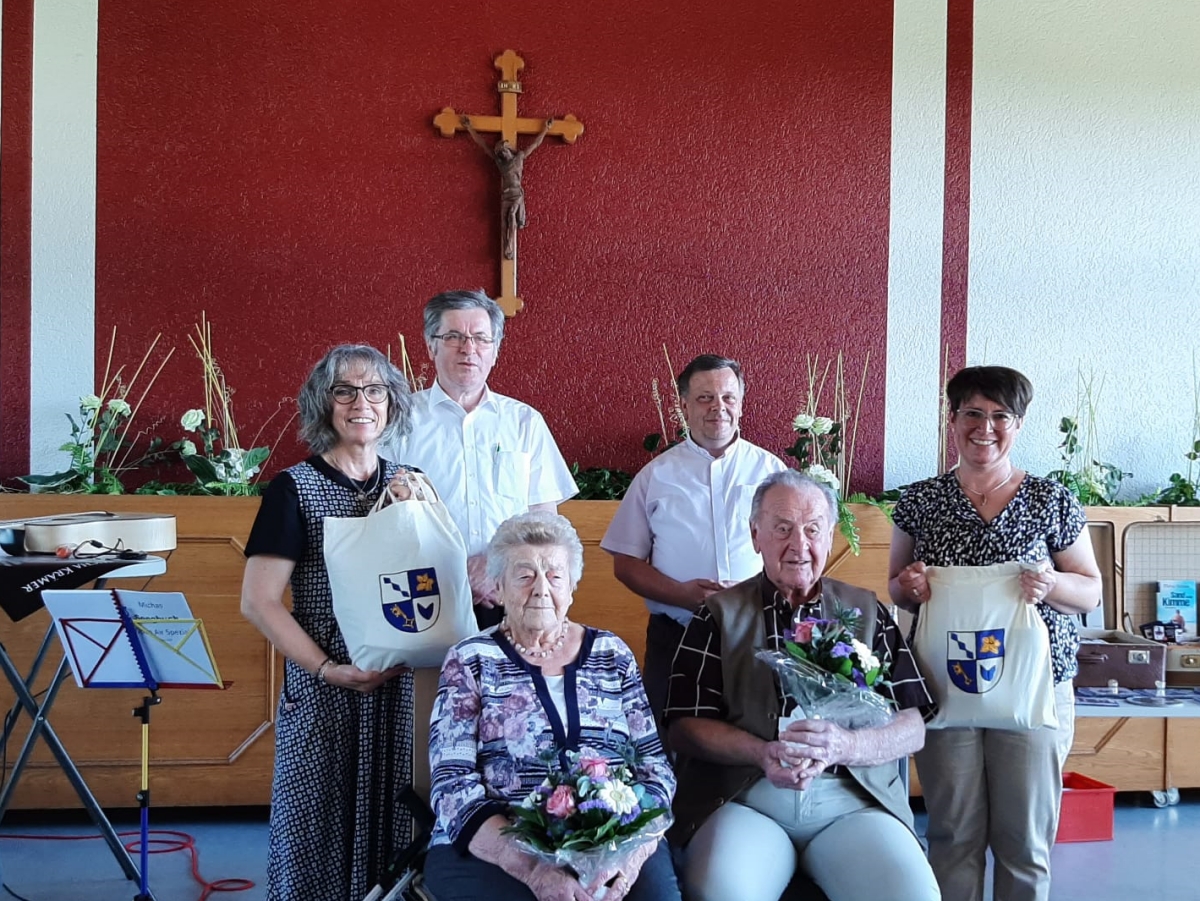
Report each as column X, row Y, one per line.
column 1105, row 654
column 1156, row 551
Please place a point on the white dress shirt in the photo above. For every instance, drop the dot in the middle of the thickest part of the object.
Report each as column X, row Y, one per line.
column 492, row 463
column 688, row 513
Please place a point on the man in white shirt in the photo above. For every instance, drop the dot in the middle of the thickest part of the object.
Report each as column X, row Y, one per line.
column 489, row 456
column 683, row 529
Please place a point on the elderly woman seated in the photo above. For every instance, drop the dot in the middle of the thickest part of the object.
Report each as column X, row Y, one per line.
column 536, row 683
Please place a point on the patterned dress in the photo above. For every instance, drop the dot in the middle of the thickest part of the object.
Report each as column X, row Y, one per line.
column 1042, row 519
column 341, row 757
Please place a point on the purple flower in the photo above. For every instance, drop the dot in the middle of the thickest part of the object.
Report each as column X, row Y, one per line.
column 841, row 649
column 631, row 816
column 594, row 804
column 858, row 678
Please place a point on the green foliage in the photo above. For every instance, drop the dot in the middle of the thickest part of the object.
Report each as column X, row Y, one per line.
column 599, row 484
column 1093, row 482
column 99, row 449
column 655, row 444
column 1180, row 491
column 219, row 469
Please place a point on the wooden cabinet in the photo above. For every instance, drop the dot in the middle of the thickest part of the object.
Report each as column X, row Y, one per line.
column 217, row 748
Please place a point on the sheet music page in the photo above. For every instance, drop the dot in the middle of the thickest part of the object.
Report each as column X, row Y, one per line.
column 93, row 639
column 172, row 638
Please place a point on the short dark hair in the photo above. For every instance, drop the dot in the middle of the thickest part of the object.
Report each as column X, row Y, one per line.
column 316, row 402
column 708, row 363
column 463, row 300
column 998, row 384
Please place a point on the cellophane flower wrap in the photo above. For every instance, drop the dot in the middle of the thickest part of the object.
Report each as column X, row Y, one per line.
column 589, row 818
column 827, row 671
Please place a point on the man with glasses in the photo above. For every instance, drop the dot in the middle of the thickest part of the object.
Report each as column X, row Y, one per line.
column 683, row 530
column 489, row 456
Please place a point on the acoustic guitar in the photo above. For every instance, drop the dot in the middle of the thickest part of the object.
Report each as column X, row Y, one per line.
column 128, row 531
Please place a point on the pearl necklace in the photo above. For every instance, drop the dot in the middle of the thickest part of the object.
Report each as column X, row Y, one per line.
column 983, row 495
column 521, row 649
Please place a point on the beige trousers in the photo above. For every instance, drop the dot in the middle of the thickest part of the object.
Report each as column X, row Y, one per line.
column 999, row 789
column 850, row 846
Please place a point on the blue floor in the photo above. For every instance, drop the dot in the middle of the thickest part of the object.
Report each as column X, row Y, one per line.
column 1151, row 856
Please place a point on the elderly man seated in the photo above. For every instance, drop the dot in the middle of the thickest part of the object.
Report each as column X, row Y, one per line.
column 742, row 829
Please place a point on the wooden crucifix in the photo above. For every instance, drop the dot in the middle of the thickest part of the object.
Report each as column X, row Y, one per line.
column 510, row 160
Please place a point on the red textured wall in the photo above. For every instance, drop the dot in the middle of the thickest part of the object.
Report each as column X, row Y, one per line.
column 274, row 164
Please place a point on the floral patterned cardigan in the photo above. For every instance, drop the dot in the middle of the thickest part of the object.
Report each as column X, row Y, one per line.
column 494, row 726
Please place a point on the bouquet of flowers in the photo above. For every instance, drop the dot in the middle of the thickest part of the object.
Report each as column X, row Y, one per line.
column 589, row 818
column 827, row 672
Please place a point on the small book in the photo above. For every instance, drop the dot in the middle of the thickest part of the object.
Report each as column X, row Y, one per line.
column 132, row 639
column 1177, row 604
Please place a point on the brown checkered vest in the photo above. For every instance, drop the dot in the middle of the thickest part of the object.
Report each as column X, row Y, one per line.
column 754, row 705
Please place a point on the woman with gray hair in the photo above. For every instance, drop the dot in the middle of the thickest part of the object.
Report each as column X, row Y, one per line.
column 537, row 682
column 343, row 737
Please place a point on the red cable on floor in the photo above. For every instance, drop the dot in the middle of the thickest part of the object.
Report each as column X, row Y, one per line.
column 162, row 841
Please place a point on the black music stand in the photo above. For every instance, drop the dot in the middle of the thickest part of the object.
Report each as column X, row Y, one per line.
column 39, row 713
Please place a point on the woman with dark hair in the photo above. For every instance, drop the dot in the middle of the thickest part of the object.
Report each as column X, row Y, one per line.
column 343, row 737
column 992, row 787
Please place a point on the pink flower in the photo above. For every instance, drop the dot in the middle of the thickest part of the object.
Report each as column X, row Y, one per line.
column 594, row 767
column 561, row 803
column 802, row 633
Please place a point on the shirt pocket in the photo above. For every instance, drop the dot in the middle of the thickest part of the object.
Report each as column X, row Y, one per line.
column 512, row 475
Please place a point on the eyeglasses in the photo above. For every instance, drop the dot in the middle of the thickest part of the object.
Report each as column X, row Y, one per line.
column 346, row 394
column 458, row 339
column 1001, row 420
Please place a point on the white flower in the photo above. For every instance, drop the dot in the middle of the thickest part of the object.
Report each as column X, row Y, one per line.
column 821, row 425
column 619, row 797
column 868, row 660
column 192, row 420
column 187, row 448
column 234, row 468
column 802, row 423
column 89, row 402
column 120, row 407
column 821, row 474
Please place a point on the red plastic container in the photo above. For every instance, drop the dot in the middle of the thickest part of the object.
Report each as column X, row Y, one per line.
column 1087, row 810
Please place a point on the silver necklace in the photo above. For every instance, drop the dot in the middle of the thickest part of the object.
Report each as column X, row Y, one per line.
column 363, row 488
column 521, row 649
column 983, row 495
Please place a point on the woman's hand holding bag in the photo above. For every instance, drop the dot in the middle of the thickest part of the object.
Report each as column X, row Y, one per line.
column 399, row 578
column 984, row 650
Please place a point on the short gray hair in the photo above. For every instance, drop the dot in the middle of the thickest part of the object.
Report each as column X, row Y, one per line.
column 463, row 300
column 800, row 481
column 316, row 402
column 537, row 528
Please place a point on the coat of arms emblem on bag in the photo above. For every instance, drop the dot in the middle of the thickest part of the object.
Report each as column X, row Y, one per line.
column 411, row 599
column 975, row 660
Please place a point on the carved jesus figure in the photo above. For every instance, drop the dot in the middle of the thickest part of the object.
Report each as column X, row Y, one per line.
column 511, row 163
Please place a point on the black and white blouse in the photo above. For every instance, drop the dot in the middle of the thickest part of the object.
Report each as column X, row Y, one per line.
column 1042, row 519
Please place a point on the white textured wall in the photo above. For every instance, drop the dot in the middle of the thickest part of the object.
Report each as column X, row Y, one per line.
column 915, row 252
column 62, row 222
column 1085, row 217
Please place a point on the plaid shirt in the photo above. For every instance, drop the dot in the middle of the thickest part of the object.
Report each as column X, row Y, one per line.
column 697, row 686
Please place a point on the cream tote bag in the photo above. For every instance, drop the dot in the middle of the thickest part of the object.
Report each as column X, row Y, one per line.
column 399, row 580
column 983, row 651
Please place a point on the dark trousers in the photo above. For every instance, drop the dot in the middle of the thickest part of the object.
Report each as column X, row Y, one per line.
column 663, row 635
column 450, row 876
